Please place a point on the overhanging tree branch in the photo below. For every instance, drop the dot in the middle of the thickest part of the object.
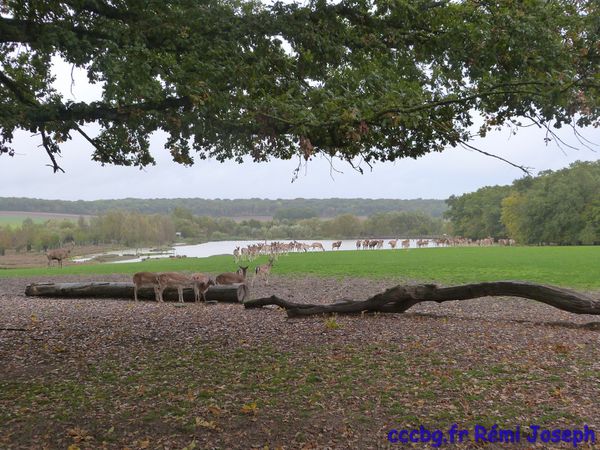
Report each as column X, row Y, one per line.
column 51, row 149
column 374, row 80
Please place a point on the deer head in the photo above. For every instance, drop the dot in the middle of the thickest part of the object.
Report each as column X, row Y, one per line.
column 242, row 271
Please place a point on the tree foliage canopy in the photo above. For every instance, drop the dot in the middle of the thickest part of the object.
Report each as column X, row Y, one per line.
column 363, row 80
column 561, row 207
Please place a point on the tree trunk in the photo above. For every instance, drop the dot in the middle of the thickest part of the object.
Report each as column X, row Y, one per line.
column 400, row 298
column 235, row 293
column 124, row 290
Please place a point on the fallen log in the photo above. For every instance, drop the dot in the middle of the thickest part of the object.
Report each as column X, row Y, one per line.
column 400, row 298
column 124, row 290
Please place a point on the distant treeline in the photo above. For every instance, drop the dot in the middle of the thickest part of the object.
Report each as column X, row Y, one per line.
column 557, row 207
column 135, row 229
column 284, row 209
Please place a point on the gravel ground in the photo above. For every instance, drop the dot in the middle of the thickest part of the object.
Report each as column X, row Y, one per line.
column 145, row 319
column 42, row 337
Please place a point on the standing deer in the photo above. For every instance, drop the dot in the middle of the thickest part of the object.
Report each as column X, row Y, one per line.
column 336, row 244
column 422, row 243
column 176, row 280
column 201, row 284
column 317, row 245
column 263, row 270
column 59, row 254
column 393, row 243
column 141, row 279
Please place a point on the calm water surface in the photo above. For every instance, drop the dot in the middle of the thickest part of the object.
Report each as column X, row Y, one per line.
column 227, row 247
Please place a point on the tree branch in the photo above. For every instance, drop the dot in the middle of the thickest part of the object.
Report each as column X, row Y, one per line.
column 15, row 89
column 28, row 32
column 51, row 148
column 465, row 99
column 471, row 147
column 400, row 298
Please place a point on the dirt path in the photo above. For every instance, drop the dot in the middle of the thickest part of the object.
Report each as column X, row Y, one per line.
column 115, row 374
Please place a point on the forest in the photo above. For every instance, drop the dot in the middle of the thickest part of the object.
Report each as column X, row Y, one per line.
column 298, row 208
column 556, row 207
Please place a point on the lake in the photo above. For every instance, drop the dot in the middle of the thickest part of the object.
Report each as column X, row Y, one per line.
column 227, row 247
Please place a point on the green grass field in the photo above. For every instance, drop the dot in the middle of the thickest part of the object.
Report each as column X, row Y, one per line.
column 577, row 267
column 16, row 220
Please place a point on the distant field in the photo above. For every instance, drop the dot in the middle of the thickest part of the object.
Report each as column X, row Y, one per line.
column 243, row 218
column 16, row 218
column 577, row 267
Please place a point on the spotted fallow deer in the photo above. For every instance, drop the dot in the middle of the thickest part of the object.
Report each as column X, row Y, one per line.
column 263, row 271
column 201, row 284
column 59, row 254
column 336, row 244
column 141, row 279
column 176, row 280
column 231, row 277
column 393, row 243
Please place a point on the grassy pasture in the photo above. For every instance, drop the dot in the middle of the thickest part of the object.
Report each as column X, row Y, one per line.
column 577, row 267
column 15, row 219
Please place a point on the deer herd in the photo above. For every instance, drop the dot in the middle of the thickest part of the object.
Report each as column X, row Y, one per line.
column 201, row 282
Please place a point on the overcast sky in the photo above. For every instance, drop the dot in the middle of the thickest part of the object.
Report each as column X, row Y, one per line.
column 439, row 175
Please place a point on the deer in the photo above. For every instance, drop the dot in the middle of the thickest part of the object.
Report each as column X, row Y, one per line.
column 263, row 270
column 59, row 254
column 176, row 280
column 141, row 279
column 201, row 284
column 316, row 245
column 336, row 244
column 422, row 243
column 231, row 277
column 393, row 243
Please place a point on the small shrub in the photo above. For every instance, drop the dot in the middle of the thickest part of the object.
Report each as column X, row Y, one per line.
column 331, row 323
